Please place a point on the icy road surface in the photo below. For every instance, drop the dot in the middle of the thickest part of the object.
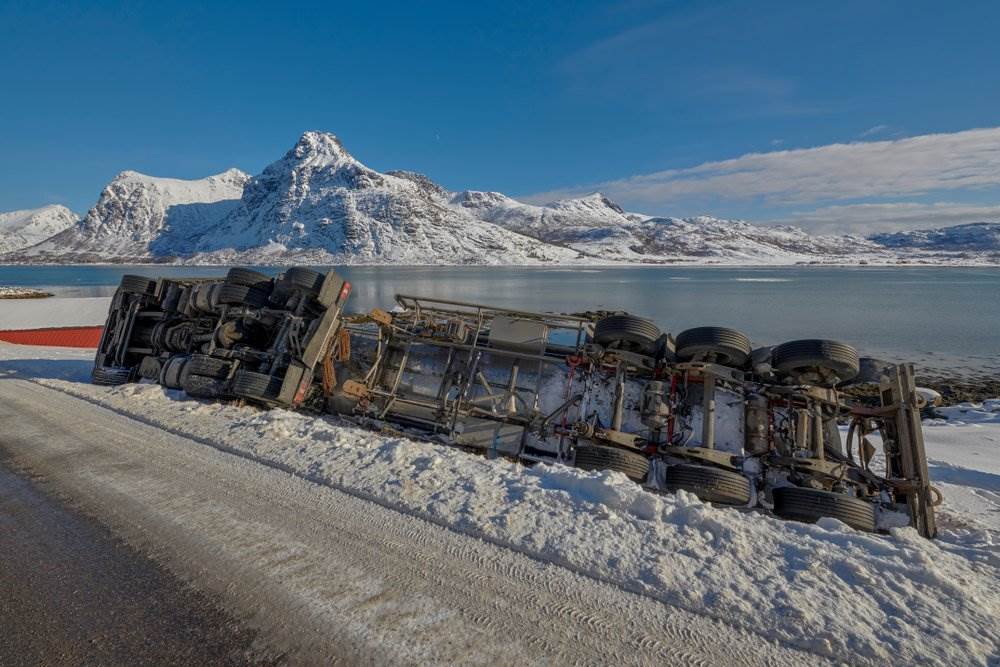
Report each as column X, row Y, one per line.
column 557, row 548
column 326, row 575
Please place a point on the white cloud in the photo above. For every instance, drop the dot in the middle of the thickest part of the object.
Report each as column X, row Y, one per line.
column 871, row 218
column 912, row 166
column 871, row 131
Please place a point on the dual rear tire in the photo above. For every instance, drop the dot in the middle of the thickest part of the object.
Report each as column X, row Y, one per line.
column 825, row 363
column 810, row 505
column 726, row 347
column 635, row 466
column 627, row 332
column 296, row 281
column 110, row 376
column 712, row 485
column 256, row 386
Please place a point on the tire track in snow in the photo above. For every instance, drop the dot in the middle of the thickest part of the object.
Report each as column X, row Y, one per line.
column 394, row 585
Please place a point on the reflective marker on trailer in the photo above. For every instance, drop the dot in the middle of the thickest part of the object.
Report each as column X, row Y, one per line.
column 304, row 386
column 344, row 291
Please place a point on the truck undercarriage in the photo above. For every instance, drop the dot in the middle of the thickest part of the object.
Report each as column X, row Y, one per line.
column 703, row 412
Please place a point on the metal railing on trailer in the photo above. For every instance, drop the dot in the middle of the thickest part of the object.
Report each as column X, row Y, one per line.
column 409, row 327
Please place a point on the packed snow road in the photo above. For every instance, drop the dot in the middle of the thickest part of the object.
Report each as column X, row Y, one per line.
column 72, row 594
column 327, row 576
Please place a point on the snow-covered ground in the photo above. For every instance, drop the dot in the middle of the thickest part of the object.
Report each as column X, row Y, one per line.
column 7, row 292
column 826, row 588
column 53, row 312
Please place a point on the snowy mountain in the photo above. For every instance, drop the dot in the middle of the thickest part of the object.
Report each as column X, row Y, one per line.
column 320, row 204
column 20, row 229
column 593, row 225
column 974, row 237
column 135, row 213
column 705, row 237
column 600, row 228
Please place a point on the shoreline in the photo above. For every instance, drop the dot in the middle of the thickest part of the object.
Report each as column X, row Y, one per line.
column 18, row 292
column 961, row 389
column 954, row 389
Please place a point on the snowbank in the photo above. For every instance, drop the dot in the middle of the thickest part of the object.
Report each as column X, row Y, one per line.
column 22, row 293
column 987, row 412
column 825, row 587
column 53, row 312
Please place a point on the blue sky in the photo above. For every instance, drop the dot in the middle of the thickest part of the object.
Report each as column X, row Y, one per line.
column 655, row 103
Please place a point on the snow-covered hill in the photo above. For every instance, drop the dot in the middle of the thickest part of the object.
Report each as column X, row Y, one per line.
column 321, row 204
column 136, row 213
column 593, row 225
column 20, row 229
column 600, row 228
column 705, row 237
column 974, row 237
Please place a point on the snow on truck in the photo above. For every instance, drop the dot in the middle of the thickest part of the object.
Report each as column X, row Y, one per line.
column 703, row 412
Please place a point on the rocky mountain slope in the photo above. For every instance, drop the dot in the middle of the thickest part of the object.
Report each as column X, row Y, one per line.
column 135, row 213
column 598, row 227
column 319, row 204
column 974, row 237
column 21, row 229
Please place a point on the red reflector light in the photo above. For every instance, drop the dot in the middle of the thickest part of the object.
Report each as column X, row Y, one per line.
column 344, row 291
column 300, row 395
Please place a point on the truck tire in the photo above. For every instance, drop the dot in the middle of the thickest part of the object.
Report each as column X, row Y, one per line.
column 713, row 485
column 204, row 297
column 299, row 277
column 627, row 332
column 809, row 505
column 149, row 368
column 296, row 280
column 598, row 457
column 141, row 285
column 110, row 376
column 241, row 295
column 726, row 347
column 249, row 278
column 824, row 363
column 199, row 386
column 210, row 367
column 256, row 386
column 174, row 370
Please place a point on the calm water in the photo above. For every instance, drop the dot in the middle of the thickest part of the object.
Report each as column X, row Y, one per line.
column 927, row 314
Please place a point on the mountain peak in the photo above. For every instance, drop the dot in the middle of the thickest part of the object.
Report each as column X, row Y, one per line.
column 599, row 199
column 480, row 199
column 21, row 229
column 233, row 174
column 130, row 177
column 321, row 145
column 594, row 200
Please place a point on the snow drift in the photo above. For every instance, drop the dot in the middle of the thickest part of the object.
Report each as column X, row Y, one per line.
column 855, row 597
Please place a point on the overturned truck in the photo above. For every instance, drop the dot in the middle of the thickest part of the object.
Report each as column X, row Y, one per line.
column 703, row 412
